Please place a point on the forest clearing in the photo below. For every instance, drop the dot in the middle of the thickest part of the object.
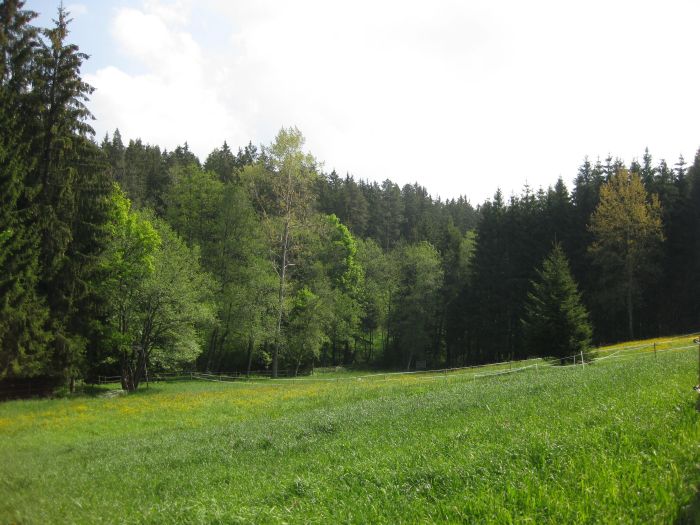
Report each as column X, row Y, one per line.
column 617, row 439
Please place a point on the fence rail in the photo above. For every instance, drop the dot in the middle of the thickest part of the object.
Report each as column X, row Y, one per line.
column 492, row 368
column 477, row 371
column 188, row 375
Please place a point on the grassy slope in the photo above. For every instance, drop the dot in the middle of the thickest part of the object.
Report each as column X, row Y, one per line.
column 616, row 441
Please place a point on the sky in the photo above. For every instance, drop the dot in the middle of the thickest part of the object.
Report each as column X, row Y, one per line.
column 463, row 97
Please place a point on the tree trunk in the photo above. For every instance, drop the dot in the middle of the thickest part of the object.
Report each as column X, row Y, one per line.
column 280, row 311
column 630, row 313
column 630, row 319
column 131, row 375
column 212, row 348
column 251, row 345
column 371, row 344
column 127, row 378
column 630, row 282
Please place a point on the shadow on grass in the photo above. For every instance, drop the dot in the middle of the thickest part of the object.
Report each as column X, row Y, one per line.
column 690, row 513
column 146, row 391
column 93, row 391
column 81, row 391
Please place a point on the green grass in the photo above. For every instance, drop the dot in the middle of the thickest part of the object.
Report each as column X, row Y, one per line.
column 615, row 441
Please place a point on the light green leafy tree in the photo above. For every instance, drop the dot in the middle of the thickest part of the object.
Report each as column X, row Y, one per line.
column 176, row 303
column 247, row 283
column 378, row 285
column 128, row 261
column 282, row 186
column 158, row 295
column 627, row 232
column 332, row 271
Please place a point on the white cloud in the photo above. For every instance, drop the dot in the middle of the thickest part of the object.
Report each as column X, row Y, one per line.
column 174, row 101
column 460, row 96
column 77, row 9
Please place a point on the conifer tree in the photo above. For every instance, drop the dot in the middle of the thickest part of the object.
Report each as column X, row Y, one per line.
column 22, row 312
column 70, row 178
column 555, row 323
column 222, row 162
column 490, row 308
column 414, row 312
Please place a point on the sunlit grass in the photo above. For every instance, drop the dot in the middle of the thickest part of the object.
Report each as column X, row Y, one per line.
column 661, row 343
column 615, row 441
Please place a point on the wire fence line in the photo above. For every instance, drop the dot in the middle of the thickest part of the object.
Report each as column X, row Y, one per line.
column 187, row 374
column 446, row 373
column 264, row 378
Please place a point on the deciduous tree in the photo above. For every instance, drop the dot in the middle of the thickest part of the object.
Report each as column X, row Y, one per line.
column 627, row 232
column 282, row 185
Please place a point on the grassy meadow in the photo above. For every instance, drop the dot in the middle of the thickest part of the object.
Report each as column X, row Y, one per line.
column 617, row 440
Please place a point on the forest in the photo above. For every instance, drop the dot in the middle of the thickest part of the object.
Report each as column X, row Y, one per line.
column 125, row 258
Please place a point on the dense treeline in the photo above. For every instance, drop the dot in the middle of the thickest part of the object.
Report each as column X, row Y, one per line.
column 119, row 258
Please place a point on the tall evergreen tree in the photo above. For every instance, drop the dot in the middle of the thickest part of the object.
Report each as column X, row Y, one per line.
column 72, row 198
column 414, row 314
column 555, row 323
column 23, row 312
column 490, row 310
column 222, row 162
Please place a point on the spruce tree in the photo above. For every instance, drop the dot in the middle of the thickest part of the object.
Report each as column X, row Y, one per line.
column 71, row 182
column 490, row 309
column 222, row 162
column 22, row 312
column 556, row 323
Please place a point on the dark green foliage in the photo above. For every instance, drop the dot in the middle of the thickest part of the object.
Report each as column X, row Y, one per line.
column 555, row 323
column 143, row 171
column 193, row 204
column 223, row 163
column 414, row 315
column 53, row 187
column 227, row 166
column 457, row 260
column 679, row 289
column 490, row 308
column 70, row 177
column 23, row 312
column 181, row 156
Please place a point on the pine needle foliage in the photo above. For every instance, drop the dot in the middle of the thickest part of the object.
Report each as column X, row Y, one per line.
column 556, row 323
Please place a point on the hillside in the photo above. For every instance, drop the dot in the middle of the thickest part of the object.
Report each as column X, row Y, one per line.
column 614, row 440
